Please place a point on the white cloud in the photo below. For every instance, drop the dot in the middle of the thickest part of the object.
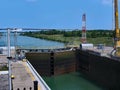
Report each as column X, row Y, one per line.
column 107, row 2
column 31, row 0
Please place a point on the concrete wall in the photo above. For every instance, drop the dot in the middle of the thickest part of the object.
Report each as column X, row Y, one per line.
column 64, row 62
column 103, row 70
column 40, row 61
column 53, row 63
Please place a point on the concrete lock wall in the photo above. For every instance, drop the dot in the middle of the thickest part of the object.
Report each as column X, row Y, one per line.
column 105, row 71
column 53, row 63
column 40, row 61
column 65, row 62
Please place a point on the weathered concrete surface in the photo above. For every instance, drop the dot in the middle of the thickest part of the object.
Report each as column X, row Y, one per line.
column 56, row 64
column 3, row 77
column 3, row 59
column 22, row 76
column 4, row 82
column 103, row 70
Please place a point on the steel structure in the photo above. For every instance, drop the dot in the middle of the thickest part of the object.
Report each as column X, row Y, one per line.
column 83, row 39
column 117, row 31
column 36, row 29
column 9, row 55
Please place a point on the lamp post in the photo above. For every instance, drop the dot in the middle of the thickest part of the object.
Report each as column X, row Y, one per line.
column 8, row 41
column 15, row 30
column 9, row 57
column 15, row 43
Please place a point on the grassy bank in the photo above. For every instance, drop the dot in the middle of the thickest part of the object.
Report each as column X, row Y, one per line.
column 75, row 41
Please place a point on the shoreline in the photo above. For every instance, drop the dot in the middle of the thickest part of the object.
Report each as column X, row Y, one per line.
column 68, row 41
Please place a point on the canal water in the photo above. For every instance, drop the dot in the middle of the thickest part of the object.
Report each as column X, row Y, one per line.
column 29, row 42
column 71, row 81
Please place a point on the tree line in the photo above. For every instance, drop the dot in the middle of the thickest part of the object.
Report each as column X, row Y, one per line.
column 73, row 33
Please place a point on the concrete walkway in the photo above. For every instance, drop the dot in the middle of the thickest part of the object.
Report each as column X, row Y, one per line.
column 23, row 77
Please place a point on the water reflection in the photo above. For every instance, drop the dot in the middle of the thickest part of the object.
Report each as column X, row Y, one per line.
column 30, row 42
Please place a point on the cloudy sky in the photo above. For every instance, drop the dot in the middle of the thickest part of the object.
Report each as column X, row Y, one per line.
column 59, row 14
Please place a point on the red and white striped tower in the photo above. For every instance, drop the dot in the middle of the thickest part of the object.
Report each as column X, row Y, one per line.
column 83, row 38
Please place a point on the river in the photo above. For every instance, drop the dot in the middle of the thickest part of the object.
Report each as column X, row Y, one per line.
column 29, row 42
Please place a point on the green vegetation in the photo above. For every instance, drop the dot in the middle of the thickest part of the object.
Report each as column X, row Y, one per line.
column 3, row 68
column 73, row 37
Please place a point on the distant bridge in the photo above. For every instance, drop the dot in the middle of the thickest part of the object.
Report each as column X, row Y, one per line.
column 39, row 29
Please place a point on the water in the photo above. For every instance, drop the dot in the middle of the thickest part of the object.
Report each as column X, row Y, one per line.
column 29, row 42
column 71, row 81
column 3, row 40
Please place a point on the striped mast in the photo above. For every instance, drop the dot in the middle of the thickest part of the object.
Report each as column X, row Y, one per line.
column 83, row 38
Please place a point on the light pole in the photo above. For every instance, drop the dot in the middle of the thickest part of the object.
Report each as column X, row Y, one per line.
column 15, row 39
column 8, row 41
column 15, row 43
column 9, row 55
column 9, row 58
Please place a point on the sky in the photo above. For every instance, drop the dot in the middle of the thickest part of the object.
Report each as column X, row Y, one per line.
column 56, row 14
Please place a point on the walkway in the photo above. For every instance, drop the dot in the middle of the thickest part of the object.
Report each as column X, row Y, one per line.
column 3, row 74
column 23, row 76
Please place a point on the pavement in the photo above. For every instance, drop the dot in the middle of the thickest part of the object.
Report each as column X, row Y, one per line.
column 4, row 82
column 22, row 76
column 3, row 59
column 3, row 74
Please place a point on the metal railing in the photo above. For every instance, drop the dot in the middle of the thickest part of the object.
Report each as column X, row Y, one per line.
column 38, row 76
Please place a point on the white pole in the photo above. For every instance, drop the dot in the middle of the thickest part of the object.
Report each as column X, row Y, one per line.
column 8, row 42
column 15, row 43
column 9, row 63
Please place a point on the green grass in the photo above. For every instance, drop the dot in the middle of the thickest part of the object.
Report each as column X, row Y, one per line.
column 3, row 68
column 75, row 41
column 108, row 41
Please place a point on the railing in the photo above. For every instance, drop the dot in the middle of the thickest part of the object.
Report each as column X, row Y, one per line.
column 38, row 76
